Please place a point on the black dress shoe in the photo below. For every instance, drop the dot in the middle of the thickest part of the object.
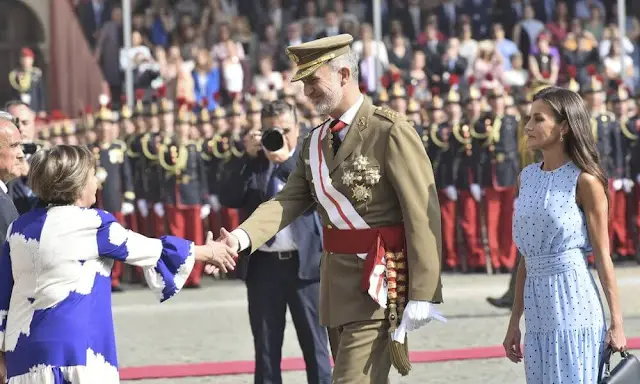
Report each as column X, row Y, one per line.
column 501, row 302
column 117, row 289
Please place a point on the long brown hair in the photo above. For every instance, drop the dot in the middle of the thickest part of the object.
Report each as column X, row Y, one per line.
column 579, row 142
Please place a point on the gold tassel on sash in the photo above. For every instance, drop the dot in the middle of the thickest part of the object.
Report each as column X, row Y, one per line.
column 396, row 294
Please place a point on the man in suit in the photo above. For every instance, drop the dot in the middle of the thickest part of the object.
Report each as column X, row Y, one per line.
column 367, row 172
column 285, row 272
column 19, row 190
column 11, row 159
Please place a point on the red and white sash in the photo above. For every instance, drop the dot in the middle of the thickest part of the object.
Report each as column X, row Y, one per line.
column 341, row 212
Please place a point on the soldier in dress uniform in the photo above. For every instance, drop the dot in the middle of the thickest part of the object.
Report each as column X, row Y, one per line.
column 498, row 169
column 414, row 115
column 606, row 131
column 216, row 153
column 150, row 143
column 185, row 186
column 465, row 168
column 621, row 241
column 633, row 130
column 339, row 169
column 230, row 218
column 442, row 155
column 115, row 193
column 27, row 84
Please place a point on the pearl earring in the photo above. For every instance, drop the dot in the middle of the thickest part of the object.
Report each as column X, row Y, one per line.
column 561, row 138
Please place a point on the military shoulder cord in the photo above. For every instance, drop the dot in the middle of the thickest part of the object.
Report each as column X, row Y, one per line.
column 396, row 293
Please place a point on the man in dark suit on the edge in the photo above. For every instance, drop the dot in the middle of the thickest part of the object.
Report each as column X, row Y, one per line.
column 285, row 272
column 11, row 158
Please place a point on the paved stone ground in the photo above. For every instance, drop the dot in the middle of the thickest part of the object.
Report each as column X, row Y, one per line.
column 211, row 325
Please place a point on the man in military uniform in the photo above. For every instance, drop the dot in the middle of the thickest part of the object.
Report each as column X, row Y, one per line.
column 366, row 170
column 185, row 184
column 441, row 152
column 115, row 192
column 465, row 167
column 606, row 132
column 622, row 243
column 498, row 169
column 26, row 82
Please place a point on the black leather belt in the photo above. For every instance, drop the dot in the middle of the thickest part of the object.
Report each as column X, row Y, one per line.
column 283, row 255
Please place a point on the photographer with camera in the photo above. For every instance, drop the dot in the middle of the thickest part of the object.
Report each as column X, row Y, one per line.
column 285, row 272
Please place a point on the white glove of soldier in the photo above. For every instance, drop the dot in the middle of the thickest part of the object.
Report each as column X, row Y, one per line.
column 476, row 192
column 205, row 210
column 617, row 184
column 158, row 208
column 415, row 315
column 451, row 193
column 627, row 185
column 214, row 202
column 143, row 208
column 127, row 208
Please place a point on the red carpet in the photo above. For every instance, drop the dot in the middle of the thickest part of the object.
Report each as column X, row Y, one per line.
column 297, row 364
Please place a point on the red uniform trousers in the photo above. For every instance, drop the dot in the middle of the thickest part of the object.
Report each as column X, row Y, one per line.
column 230, row 218
column 215, row 223
column 619, row 239
column 116, row 271
column 499, row 215
column 448, row 219
column 157, row 226
column 184, row 221
column 469, row 220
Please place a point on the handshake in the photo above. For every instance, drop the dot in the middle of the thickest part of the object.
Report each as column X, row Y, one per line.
column 219, row 255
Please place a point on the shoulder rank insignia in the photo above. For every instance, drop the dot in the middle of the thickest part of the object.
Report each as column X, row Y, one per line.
column 387, row 113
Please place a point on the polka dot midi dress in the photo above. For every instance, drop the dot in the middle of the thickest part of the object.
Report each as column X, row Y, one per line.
column 564, row 318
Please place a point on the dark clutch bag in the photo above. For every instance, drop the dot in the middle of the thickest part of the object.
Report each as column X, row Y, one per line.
column 626, row 372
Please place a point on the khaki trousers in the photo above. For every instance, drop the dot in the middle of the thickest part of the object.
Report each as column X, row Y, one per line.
column 361, row 352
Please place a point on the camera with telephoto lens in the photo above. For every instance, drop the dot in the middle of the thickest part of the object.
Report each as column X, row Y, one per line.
column 273, row 139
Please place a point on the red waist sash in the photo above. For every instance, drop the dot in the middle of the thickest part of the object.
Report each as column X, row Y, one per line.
column 373, row 242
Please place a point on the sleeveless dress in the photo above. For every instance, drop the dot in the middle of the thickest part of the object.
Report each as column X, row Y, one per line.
column 564, row 317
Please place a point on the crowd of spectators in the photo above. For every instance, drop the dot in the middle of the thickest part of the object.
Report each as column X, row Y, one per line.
column 202, row 48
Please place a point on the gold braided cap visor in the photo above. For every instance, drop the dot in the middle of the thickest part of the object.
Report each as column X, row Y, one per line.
column 310, row 56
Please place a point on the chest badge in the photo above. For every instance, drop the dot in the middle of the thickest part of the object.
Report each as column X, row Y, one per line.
column 360, row 176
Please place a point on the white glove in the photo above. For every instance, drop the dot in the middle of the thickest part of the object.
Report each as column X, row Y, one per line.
column 158, row 208
column 415, row 315
column 127, row 208
column 617, row 184
column 627, row 185
column 143, row 208
column 214, row 202
column 476, row 192
column 451, row 193
column 205, row 210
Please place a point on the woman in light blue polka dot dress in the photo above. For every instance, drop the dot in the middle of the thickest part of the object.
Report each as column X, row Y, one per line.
column 561, row 215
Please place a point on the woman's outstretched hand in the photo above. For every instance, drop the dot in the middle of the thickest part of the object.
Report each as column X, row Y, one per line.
column 218, row 254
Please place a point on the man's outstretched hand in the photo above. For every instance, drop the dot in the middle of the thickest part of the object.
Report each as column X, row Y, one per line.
column 227, row 239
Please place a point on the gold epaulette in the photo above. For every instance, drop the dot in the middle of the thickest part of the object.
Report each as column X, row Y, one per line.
column 144, row 144
column 433, row 135
column 625, row 130
column 121, row 143
column 130, row 152
column 387, row 113
column 129, row 195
